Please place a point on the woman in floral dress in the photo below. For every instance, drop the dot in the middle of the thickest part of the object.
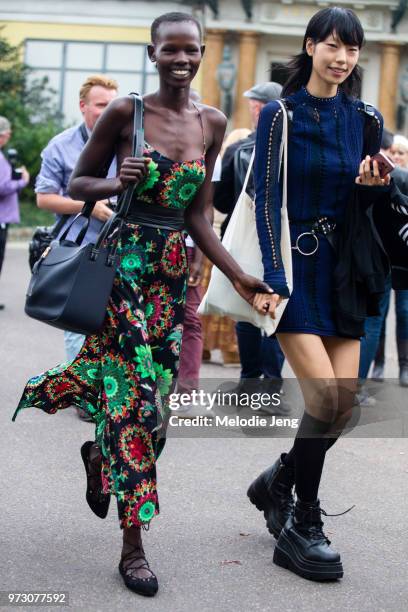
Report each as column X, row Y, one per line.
column 123, row 375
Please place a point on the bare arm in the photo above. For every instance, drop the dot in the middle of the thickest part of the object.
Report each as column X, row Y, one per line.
column 66, row 206
column 111, row 135
column 200, row 229
column 58, row 204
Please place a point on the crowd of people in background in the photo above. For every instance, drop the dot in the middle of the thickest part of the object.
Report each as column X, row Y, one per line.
column 373, row 343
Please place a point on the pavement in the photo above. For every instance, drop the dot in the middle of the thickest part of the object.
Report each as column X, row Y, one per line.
column 209, row 546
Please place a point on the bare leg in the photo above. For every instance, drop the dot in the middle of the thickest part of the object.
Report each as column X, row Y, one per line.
column 317, row 363
column 344, row 354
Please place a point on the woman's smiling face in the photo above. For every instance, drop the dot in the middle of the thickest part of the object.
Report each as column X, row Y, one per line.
column 177, row 52
column 333, row 60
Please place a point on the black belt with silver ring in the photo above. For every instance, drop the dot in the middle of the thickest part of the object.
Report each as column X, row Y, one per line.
column 321, row 225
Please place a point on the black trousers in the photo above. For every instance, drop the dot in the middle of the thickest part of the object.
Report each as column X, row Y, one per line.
column 3, row 240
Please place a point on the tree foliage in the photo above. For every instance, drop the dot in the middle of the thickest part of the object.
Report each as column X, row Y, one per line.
column 28, row 105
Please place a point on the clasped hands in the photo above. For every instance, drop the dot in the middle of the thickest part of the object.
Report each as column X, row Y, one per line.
column 266, row 303
column 258, row 294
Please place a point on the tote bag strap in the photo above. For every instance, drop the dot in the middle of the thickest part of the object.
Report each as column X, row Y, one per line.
column 283, row 155
column 248, row 174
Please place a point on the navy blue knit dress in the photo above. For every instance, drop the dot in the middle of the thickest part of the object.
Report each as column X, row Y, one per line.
column 325, row 150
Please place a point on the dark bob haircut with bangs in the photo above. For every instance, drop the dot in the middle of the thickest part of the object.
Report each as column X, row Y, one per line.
column 347, row 27
column 174, row 17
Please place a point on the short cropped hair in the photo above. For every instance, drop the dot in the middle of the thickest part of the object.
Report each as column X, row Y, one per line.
column 386, row 139
column 401, row 142
column 174, row 17
column 97, row 79
column 4, row 125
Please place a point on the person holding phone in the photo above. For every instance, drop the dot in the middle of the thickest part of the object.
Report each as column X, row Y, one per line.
column 326, row 164
column 398, row 152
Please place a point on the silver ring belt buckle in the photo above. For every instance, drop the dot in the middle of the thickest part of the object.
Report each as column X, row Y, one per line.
column 299, row 238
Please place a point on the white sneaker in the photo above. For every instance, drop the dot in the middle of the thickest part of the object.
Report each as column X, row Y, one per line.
column 364, row 399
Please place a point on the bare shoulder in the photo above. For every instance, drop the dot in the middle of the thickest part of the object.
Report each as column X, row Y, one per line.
column 213, row 116
column 121, row 108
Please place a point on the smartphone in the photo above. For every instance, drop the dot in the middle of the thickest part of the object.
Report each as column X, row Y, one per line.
column 385, row 165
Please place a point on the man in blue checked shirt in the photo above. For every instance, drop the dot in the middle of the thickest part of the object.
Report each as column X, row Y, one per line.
column 58, row 161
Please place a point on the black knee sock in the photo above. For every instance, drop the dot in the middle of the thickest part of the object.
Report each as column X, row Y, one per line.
column 331, row 441
column 307, row 456
column 289, row 458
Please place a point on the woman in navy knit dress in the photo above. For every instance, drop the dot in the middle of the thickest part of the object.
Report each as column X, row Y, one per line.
column 324, row 164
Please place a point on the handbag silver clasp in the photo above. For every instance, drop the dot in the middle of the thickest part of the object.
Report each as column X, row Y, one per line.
column 45, row 253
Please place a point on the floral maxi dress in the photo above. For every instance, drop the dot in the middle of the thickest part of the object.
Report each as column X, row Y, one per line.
column 123, row 375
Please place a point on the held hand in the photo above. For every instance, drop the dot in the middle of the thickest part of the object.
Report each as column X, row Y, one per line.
column 248, row 287
column 195, row 273
column 266, row 304
column 133, row 170
column 101, row 211
column 25, row 175
column 369, row 174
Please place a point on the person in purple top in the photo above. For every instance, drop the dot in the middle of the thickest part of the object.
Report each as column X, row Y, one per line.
column 9, row 188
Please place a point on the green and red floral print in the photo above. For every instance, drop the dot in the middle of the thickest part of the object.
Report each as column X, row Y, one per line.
column 123, row 375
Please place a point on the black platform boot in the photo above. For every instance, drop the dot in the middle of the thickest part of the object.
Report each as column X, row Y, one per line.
column 271, row 493
column 303, row 548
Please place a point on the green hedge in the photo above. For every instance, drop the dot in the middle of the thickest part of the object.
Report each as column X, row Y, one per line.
column 31, row 215
column 29, row 105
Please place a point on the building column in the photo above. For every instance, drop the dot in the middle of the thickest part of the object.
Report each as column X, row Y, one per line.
column 248, row 47
column 389, row 81
column 214, row 47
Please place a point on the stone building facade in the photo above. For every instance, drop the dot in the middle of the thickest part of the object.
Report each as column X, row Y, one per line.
column 69, row 40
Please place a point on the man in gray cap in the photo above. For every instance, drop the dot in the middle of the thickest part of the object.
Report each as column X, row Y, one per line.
column 236, row 158
column 260, row 356
column 264, row 93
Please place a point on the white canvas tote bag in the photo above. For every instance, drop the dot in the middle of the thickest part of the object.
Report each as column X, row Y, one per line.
column 241, row 241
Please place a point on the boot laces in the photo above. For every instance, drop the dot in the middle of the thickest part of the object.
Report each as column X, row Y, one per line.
column 316, row 528
column 339, row 514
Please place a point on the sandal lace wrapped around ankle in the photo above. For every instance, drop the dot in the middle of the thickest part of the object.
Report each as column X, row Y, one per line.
column 129, row 569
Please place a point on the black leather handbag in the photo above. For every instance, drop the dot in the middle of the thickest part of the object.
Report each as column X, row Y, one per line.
column 71, row 283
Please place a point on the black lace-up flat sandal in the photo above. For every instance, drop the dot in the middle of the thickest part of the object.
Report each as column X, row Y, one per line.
column 97, row 500
column 147, row 586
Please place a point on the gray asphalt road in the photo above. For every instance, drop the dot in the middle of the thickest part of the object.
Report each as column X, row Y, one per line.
column 209, row 546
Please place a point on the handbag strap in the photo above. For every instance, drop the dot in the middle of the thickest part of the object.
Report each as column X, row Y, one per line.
column 86, row 209
column 126, row 198
column 58, row 225
column 137, row 151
